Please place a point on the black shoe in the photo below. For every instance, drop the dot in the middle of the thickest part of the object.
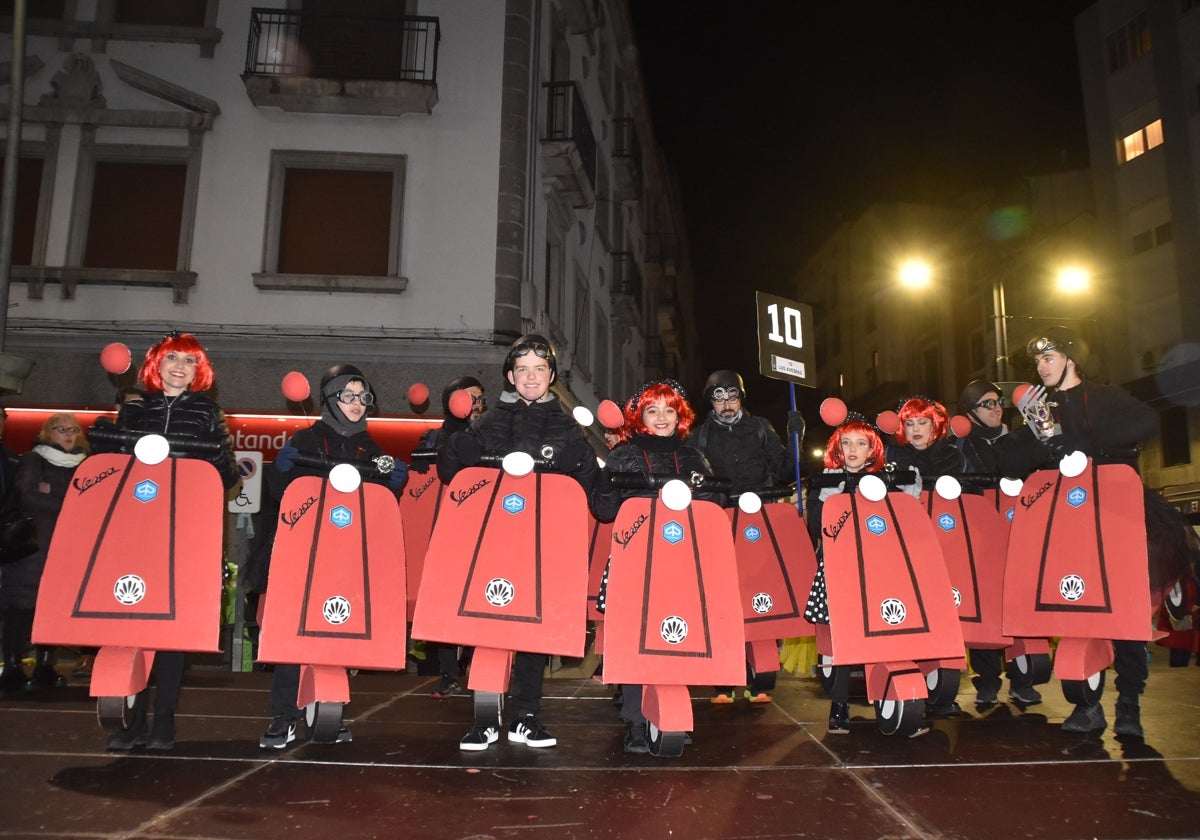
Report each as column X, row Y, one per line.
column 13, row 678
column 839, row 719
column 635, row 738
column 944, row 710
column 526, row 730
column 1129, row 719
column 127, row 739
column 162, row 733
column 479, row 738
column 44, row 676
column 448, row 687
column 1085, row 718
column 280, row 733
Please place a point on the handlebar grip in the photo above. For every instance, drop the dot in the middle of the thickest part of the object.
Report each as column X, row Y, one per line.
column 180, row 445
column 365, row 468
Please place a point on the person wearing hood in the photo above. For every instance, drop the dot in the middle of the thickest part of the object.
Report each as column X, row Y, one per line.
column 42, row 478
column 340, row 436
column 982, row 402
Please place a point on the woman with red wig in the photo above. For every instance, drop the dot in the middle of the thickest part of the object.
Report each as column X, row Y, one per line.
column 174, row 374
column 922, row 442
column 657, row 419
column 855, row 449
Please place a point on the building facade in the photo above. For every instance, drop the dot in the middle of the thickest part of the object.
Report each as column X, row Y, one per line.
column 405, row 186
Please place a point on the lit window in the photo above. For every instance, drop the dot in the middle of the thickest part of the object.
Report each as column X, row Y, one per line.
column 1154, row 135
column 1134, row 145
column 1139, row 142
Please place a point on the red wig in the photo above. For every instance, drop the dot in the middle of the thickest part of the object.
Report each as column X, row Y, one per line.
column 650, row 393
column 177, row 343
column 834, row 460
column 931, row 410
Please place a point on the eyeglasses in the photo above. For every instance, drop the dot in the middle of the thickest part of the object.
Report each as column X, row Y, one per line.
column 990, row 404
column 67, row 430
column 480, row 400
column 347, row 397
column 726, row 395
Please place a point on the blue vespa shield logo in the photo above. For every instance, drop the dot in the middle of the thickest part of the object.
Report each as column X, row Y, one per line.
column 947, row 522
column 752, row 533
column 341, row 516
column 876, row 525
column 672, row 532
column 514, row 503
column 1077, row 496
column 145, row 491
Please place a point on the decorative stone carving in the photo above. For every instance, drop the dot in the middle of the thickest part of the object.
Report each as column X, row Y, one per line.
column 77, row 85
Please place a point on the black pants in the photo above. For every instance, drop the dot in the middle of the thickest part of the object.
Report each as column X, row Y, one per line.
column 1129, row 661
column 631, row 704
column 987, row 665
column 18, row 627
column 285, row 683
column 839, row 691
column 168, row 678
column 529, row 671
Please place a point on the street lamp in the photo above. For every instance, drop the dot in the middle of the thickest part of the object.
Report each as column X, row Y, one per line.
column 916, row 274
column 1074, row 279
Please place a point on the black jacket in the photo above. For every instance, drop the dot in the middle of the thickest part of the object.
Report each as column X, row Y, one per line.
column 939, row 458
column 187, row 415
column 649, row 455
column 321, row 441
column 749, row 453
column 538, row 429
column 1103, row 421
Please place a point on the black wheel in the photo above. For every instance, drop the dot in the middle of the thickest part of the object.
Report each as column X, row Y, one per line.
column 665, row 744
column 1175, row 604
column 324, row 721
column 906, row 717
column 488, row 707
column 117, row 712
column 825, row 672
column 1035, row 666
column 1084, row 692
column 943, row 686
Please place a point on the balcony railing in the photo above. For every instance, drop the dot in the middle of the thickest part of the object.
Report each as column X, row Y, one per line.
column 569, row 145
column 319, row 45
column 627, row 287
column 627, row 157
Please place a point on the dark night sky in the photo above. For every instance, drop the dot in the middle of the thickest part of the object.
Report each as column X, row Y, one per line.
column 783, row 118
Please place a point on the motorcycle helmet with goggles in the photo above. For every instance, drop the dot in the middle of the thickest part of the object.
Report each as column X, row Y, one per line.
column 1063, row 339
column 532, row 343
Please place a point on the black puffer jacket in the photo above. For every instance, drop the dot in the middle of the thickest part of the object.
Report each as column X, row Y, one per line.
column 186, row 415
column 650, row 455
column 749, row 453
column 939, row 458
column 514, row 426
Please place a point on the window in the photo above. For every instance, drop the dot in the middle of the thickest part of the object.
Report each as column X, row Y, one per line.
column 25, row 221
column 1128, row 43
column 552, row 288
column 334, row 222
column 1176, row 446
column 1143, row 241
column 600, row 380
column 1162, row 234
column 581, row 359
column 134, row 207
column 1141, row 141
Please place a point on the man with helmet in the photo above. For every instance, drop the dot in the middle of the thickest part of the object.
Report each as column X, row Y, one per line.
column 528, row 419
column 747, row 451
column 340, row 436
column 1105, row 422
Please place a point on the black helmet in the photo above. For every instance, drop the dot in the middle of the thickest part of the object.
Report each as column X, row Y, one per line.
column 537, row 344
column 1063, row 339
column 723, row 379
column 458, row 383
column 338, row 376
column 974, row 392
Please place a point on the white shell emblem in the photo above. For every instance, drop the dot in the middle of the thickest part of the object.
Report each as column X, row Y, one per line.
column 129, row 589
column 673, row 629
column 499, row 592
column 336, row 609
column 892, row 611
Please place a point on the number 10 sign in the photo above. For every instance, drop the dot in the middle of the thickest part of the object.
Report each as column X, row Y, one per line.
column 785, row 340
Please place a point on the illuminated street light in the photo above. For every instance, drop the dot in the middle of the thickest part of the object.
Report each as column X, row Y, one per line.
column 1074, row 279
column 916, row 274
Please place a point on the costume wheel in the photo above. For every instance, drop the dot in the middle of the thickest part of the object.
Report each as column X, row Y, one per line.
column 1175, row 604
column 117, row 712
column 1086, row 692
column 825, row 671
column 324, row 721
column 899, row 716
column 1035, row 665
column 488, row 707
column 665, row 744
column 943, row 686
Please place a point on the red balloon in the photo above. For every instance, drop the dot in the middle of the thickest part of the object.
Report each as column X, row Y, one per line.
column 115, row 358
column 1019, row 392
column 460, row 403
column 295, row 387
column 888, row 422
column 609, row 414
column 833, row 411
column 960, row 425
column 418, row 394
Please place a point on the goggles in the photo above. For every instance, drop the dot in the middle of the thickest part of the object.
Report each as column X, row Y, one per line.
column 67, row 430
column 990, row 404
column 542, row 351
column 1040, row 345
column 347, row 397
column 726, row 395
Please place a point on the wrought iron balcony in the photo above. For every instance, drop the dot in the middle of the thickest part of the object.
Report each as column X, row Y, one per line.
column 627, row 158
column 568, row 145
column 317, row 62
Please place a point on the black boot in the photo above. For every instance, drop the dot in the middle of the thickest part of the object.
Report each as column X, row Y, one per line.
column 44, row 675
column 12, row 678
column 839, row 719
column 162, row 734
column 1129, row 718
